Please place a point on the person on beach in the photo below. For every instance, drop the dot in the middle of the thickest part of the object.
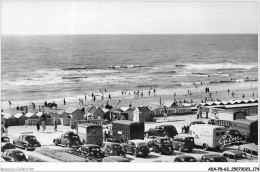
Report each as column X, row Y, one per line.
column 43, row 126
column 130, row 104
column 2, row 128
column 94, row 98
column 160, row 100
column 6, row 129
column 55, row 125
column 2, row 110
column 102, row 97
column 85, row 97
column 64, row 101
column 105, row 90
column 149, row 92
column 243, row 96
column 38, row 125
column 154, row 91
column 9, row 103
column 119, row 101
column 165, row 113
column 228, row 91
column 92, row 95
column 109, row 97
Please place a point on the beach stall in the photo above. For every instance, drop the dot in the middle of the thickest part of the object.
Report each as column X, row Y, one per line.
column 95, row 112
column 20, row 118
column 39, row 114
column 30, row 115
column 142, row 114
column 75, row 113
column 10, row 120
column 129, row 111
column 2, row 116
column 106, row 114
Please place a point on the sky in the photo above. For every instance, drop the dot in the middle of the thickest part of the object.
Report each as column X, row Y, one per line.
column 129, row 17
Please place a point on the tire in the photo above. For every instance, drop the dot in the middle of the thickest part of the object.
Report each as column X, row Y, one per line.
column 205, row 146
column 180, row 149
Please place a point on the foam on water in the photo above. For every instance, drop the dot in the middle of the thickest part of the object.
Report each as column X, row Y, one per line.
column 219, row 66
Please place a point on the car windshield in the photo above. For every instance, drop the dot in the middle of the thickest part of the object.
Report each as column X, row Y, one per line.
column 30, row 138
column 5, row 139
column 241, row 156
column 19, row 154
column 141, row 144
column 166, row 142
column 75, row 137
column 117, row 147
column 95, row 149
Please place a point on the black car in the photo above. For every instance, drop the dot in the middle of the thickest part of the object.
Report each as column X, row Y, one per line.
column 213, row 158
column 14, row 155
column 161, row 145
column 68, row 139
column 185, row 158
column 92, row 150
column 163, row 131
column 5, row 144
column 136, row 147
column 27, row 142
column 113, row 149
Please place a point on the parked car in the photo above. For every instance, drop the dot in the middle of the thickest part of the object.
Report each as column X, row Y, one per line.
column 27, row 142
column 249, row 148
column 196, row 122
column 162, row 130
column 185, row 158
column 136, row 147
column 161, row 145
column 92, row 151
column 5, row 143
column 115, row 159
column 68, row 139
column 234, row 155
column 14, row 155
column 183, row 142
column 113, row 149
column 213, row 158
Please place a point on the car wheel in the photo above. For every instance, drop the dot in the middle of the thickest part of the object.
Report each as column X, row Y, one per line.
column 205, row 146
column 180, row 149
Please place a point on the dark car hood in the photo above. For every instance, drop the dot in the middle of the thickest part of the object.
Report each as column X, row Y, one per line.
column 33, row 142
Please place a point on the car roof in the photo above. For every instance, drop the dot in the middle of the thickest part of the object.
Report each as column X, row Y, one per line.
column 116, row 158
column 137, row 140
column 185, row 156
column 27, row 135
column 90, row 145
column 233, row 151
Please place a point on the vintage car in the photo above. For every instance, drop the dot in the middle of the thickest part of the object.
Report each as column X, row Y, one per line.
column 161, row 145
column 213, row 158
column 5, row 144
column 234, row 136
column 196, row 122
column 68, row 139
column 93, row 151
column 183, row 142
column 185, row 158
column 27, row 142
column 234, row 155
column 113, row 149
column 14, row 155
column 162, row 130
column 136, row 147
column 249, row 148
column 115, row 159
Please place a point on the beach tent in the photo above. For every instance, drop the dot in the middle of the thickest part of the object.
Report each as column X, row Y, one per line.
column 31, row 115
column 2, row 116
column 10, row 120
column 96, row 112
column 54, row 115
column 39, row 114
column 106, row 114
column 170, row 104
column 75, row 113
column 62, row 114
column 142, row 114
column 20, row 118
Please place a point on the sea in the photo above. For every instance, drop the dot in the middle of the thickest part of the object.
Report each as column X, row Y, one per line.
column 53, row 67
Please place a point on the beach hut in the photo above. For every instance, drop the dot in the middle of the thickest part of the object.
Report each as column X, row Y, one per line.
column 10, row 120
column 96, row 112
column 39, row 114
column 106, row 114
column 169, row 104
column 3, row 119
column 75, row 113
column 142, row 114
column 20, row 118
column 31, row 115
column 129, row 113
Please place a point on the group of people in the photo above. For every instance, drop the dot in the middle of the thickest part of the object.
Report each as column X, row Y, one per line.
column 43, row 124
column 4, row 128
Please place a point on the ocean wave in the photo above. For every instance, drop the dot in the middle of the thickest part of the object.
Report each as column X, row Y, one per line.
column 220, row 66
column 127, row 66
column 81, row 68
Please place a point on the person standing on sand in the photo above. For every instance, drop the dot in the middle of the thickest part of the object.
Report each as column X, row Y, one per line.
column 43, row 126
column 85, row 97
column 6, row 129
column 130, row 104
column 165, row 113
column 2, row 128
column 2, row 110
column 109, row 97
column 55, row 125
column 149, row 92
column 38, row 125
column 9, row 103
column 64, row 101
